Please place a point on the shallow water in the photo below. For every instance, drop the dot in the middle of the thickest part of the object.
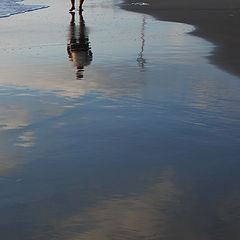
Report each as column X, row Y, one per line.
column 11, row 7
column 140, row 142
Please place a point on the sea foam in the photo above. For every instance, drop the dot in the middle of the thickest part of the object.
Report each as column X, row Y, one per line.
column 11, row 7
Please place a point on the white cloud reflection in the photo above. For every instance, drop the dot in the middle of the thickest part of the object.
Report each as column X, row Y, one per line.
column 26, row 139
column 145, row 215
column 138, row 217
column 13, row 118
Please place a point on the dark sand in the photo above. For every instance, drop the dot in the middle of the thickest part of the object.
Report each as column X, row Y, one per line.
column 215, row 21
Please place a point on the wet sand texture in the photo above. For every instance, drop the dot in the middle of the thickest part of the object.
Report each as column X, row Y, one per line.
column 216, row 21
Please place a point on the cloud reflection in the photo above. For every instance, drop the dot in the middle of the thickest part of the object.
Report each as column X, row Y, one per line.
column 20, row 110
column 26, row 140
column 137, row 217
column 144, row 215
column 13, row 117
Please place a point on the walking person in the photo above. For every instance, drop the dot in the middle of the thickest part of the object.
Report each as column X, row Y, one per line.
column 73, row 5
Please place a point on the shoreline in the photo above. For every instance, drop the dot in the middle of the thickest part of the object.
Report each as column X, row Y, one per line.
column 16, row 8
column 218, row 25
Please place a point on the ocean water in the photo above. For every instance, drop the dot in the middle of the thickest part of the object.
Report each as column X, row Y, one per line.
column 11, row 7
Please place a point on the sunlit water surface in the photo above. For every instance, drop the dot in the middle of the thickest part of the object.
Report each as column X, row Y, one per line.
column 139, row 140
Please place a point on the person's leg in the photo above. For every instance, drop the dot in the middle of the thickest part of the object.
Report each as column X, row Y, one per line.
column 73, row 5
column 80, row 5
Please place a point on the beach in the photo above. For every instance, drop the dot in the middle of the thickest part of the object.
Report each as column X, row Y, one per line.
column 216, row 21
column 119, row 124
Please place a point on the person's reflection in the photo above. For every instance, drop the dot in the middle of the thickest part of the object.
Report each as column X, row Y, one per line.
column 78, row 48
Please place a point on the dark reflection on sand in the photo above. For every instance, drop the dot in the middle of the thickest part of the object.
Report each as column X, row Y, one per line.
column 78, row 48
column 141, row 61
column 218, row 22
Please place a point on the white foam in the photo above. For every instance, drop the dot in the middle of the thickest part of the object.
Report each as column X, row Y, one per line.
column 140, row 4
column 11, row 7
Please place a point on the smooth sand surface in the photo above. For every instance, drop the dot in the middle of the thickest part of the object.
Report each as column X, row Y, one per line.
column 144, row 146
column 216, row 21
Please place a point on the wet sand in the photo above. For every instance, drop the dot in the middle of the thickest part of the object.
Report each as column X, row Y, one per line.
column 126, row 148
column 215, row 21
